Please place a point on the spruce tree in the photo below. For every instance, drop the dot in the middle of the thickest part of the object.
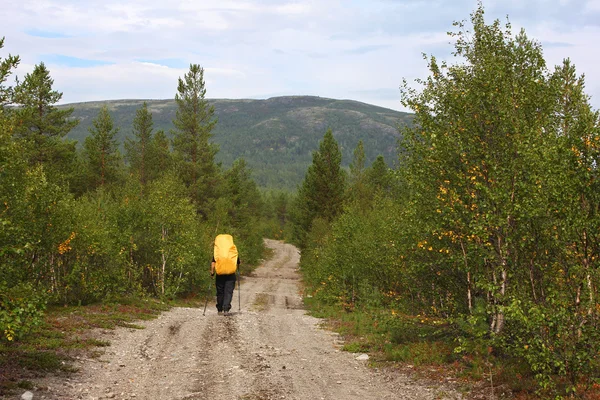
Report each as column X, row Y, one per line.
column 322, row 192
column 378, row 175
column 359, row 192
column 242, row 192
column 137, row 150
column 160, row 158
column 101, row 151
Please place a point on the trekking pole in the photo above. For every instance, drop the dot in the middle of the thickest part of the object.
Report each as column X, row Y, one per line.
column 239, row 291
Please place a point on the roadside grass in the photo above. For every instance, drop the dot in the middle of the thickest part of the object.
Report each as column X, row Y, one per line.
column 67, row 332
column 426, row 347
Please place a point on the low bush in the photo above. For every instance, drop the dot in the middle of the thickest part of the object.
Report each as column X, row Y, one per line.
column 21, row 309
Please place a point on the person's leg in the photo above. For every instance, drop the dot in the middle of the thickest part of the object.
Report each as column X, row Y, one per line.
column 220, row 284
column 229, row 286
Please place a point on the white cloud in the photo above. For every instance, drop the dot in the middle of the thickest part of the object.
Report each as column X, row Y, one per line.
column 293, row 9
column 125, row 81
column 592, row 5
column 359, row 50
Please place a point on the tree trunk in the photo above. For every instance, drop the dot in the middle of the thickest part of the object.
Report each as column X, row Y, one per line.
column 142, row 166
column 164, row 260
column 469, row 298
column 102, row 167
column 500, row 313
column 532, row 281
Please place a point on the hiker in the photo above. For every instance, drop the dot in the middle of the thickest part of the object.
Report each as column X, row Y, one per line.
column 224, row 263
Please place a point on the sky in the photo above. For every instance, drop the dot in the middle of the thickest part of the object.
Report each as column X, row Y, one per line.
column 343, row 49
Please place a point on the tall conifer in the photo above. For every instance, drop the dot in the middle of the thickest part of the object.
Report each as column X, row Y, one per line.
column 40, row 125
column 322, row 192
column 194, row 122
column 137, row 150
column 101, row 151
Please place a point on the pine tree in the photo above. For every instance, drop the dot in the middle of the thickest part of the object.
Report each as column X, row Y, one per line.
column 101, row 151
column 42, row 126
column 6, row 66
column 194, row 122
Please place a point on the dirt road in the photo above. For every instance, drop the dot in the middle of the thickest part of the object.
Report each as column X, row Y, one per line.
column 269, row 350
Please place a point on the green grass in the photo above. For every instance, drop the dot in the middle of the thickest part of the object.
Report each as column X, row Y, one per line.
column 356, row 347
column 27, row 385
column 421, row 353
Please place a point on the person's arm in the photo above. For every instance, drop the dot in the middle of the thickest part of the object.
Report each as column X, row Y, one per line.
column 212, row 267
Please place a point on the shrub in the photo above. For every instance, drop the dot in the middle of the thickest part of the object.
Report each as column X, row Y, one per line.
column 21, row 309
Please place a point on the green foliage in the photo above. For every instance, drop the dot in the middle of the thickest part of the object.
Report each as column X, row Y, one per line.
column 194, row 121
column 41, row 125
column 103, row 234
column 556, row 341
column 6, row 66
column 12, row 192
column 379, row 176
column 101, row 155
column 322, row 192
column 160, row 158
column 490, row 221
column 21, row 310
column 139, row 151
column 361, row 259
column 276, row 214
column 34, row 218
column 359, row 189
column 504, row 156
column 421, row 353
column 174, row 227
column 239, row 211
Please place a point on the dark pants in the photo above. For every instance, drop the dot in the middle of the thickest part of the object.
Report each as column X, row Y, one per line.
column 225, row 285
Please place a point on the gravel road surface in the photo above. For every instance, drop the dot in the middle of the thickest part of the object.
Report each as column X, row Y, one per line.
column 270, row 349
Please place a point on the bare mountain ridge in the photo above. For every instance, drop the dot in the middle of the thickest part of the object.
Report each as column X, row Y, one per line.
column 275, row 136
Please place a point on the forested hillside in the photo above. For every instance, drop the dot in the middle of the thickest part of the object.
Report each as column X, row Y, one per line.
column 275, row 136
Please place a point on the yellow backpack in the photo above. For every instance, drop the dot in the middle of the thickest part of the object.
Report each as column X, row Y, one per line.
column 226, row 255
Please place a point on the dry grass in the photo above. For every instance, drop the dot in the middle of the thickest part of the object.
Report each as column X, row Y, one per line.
column 261, row 302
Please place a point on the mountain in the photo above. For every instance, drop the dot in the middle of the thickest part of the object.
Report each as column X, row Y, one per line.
column 276, row 136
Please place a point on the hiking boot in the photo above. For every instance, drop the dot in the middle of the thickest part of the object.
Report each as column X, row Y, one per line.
column 220, row 312
column 226, row 313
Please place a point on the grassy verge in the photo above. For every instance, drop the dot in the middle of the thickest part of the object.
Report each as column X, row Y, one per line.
column 427, row 347
column 67, row 333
